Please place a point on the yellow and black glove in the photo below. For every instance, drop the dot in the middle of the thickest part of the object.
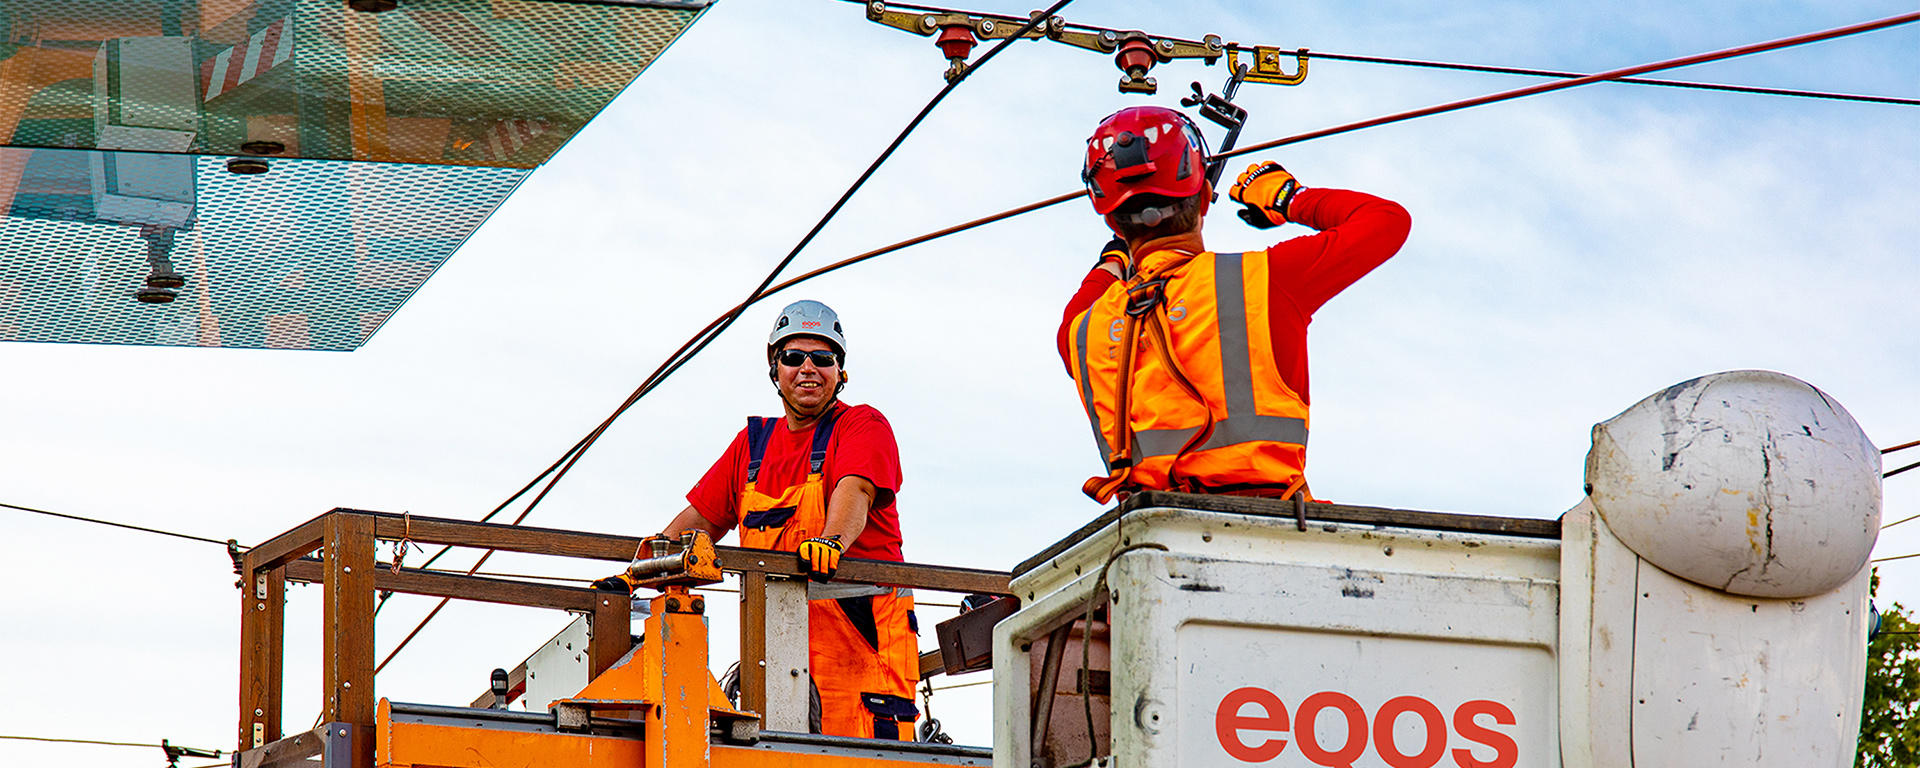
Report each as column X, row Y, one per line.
column 821, row 557
column 1266, row 189
column 615, row 583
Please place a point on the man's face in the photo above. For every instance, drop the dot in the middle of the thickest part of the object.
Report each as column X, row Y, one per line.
column 808, row 386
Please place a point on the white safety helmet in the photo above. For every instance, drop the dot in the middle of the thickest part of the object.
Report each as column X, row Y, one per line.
column 807, row 318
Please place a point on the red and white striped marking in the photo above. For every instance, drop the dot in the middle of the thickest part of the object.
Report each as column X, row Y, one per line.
column 507, row 137
column 268, row 48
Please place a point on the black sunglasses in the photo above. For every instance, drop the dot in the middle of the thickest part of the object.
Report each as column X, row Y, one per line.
column 822, row 358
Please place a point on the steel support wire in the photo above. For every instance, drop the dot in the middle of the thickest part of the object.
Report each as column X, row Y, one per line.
column 1630, row 80
column 1611, row 75
column 713, row 330
column 187, row 536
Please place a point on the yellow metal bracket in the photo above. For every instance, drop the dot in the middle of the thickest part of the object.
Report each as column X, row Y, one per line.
column 1266, row 65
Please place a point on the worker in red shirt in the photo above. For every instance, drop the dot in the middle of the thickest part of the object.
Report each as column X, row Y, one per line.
column 1192, row 364
column 819, row 481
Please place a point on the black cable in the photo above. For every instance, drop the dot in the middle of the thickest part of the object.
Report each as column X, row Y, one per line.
column 1902, row 469
column 490, row 515
column 1634, row 80
column 116, row 525
column 701, row 340
column 706, row 336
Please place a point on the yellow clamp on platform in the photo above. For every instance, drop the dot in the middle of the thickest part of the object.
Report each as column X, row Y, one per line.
column 689, row 562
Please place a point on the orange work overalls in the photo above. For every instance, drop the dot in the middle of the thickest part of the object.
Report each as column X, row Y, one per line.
column 863, row 650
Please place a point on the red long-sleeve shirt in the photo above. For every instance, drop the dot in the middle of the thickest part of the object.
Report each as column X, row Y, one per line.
column 1357, row 233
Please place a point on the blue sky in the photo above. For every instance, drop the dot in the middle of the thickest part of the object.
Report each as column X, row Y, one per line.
column 1571, row 254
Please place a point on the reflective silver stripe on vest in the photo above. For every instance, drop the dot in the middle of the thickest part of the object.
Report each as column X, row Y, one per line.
column 1242, row 424
column 1245, row 428
column 1086, row 384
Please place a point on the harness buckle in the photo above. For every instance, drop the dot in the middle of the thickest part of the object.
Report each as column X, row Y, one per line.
column 1143, row 298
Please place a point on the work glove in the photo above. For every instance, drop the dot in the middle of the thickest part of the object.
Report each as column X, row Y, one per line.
column 1265, row 189
column 821, row 557
column 616, row 583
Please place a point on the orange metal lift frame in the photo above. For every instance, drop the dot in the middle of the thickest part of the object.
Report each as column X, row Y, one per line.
column 668, row 679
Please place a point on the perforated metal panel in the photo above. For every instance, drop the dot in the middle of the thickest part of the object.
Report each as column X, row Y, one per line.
column 313, row 254
column 389, row 138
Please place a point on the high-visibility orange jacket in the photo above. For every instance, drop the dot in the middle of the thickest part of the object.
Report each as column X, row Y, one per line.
column 1213, row 383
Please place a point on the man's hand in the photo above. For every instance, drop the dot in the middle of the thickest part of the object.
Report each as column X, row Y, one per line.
column 821, row 557
column 615, row 583
column 1265, row 189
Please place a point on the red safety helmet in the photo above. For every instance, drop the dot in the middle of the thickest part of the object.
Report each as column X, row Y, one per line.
column 1142, row 151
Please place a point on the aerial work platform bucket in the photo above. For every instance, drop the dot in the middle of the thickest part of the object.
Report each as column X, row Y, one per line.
column 1257, row 631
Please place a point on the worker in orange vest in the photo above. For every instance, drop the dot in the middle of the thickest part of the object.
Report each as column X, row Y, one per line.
column 1192, row 364
column 819, row 481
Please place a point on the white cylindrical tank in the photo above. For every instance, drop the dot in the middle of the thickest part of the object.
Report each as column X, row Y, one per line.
column 1751, row 482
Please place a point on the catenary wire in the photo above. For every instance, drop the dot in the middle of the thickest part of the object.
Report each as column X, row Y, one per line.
column 1630, row 80
column 1523, row 71
column 1900, row 447
column 1902, row 469
column 155, row 745
column 1897, row 522
column 97, row 742
column 705, row 336
column 713, row 330
column 117, row 525
column 1535, row 90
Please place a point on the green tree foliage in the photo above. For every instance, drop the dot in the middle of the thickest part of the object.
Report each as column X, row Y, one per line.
column 1890, row 724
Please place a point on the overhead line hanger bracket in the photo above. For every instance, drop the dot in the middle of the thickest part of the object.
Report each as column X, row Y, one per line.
column 1136, row 53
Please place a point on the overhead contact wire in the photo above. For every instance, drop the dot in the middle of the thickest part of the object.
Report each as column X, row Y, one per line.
column 700, row 340
column 1611, row 75
column 1631, row 80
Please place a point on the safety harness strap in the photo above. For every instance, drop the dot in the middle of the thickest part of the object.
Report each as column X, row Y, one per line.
column 758, row 432
column 822, row 434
